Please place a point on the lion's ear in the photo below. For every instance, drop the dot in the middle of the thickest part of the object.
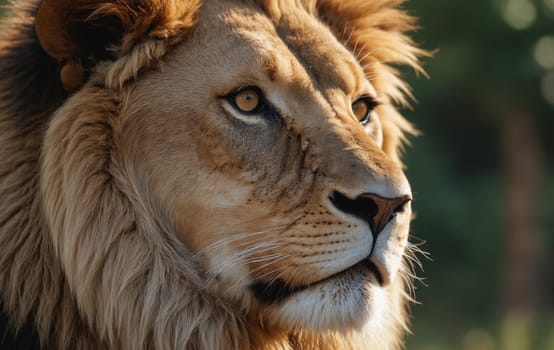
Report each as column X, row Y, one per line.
column 78, row 33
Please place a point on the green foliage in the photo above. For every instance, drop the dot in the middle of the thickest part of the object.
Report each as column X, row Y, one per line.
column 483, row 70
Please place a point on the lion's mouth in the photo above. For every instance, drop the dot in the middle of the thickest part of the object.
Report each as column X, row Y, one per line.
column 279, row 290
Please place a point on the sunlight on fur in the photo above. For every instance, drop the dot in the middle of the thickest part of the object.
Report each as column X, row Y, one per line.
column 187, row 174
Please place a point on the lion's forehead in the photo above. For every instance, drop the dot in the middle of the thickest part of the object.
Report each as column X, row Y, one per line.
column 296, row 48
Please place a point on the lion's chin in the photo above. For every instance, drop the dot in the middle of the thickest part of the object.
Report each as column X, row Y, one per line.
column 345, row 301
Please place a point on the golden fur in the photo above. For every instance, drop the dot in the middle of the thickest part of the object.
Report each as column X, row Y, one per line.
column 140, row 210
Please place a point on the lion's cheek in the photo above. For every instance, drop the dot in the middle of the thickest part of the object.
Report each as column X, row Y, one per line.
column 217, row 214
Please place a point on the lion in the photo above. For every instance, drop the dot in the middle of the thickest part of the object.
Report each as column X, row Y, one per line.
column 202, row 174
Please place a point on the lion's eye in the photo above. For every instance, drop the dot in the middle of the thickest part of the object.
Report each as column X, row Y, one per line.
column 249, row 100
column 363, row 107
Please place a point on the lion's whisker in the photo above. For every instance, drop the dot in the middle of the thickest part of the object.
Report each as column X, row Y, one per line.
column 238, row 257
column 233, row 238
column 261, row 267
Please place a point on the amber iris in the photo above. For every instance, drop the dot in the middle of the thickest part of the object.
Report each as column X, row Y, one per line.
column 248, row 100
column 362, row 110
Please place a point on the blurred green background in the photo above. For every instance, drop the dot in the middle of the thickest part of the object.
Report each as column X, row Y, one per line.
column 483, row 175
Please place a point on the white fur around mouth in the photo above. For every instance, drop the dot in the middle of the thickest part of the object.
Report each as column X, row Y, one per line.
column 278, row 290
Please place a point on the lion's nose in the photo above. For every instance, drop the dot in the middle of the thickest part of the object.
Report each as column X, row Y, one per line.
column 376, row 210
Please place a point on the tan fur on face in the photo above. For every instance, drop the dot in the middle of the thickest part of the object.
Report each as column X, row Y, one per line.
column 138, row 212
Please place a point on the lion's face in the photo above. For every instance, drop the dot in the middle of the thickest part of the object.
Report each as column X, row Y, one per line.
column 259, row 141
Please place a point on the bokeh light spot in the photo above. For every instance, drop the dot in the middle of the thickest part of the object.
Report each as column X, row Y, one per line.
column 549, row 4
column 544, row 52
column 478, row 339
column 520, row 14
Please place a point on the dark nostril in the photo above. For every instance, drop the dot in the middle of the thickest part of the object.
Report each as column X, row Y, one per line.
column 361, row 207
column 376, row 210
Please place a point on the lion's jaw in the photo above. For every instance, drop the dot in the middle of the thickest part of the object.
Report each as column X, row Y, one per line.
column 252, row 196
